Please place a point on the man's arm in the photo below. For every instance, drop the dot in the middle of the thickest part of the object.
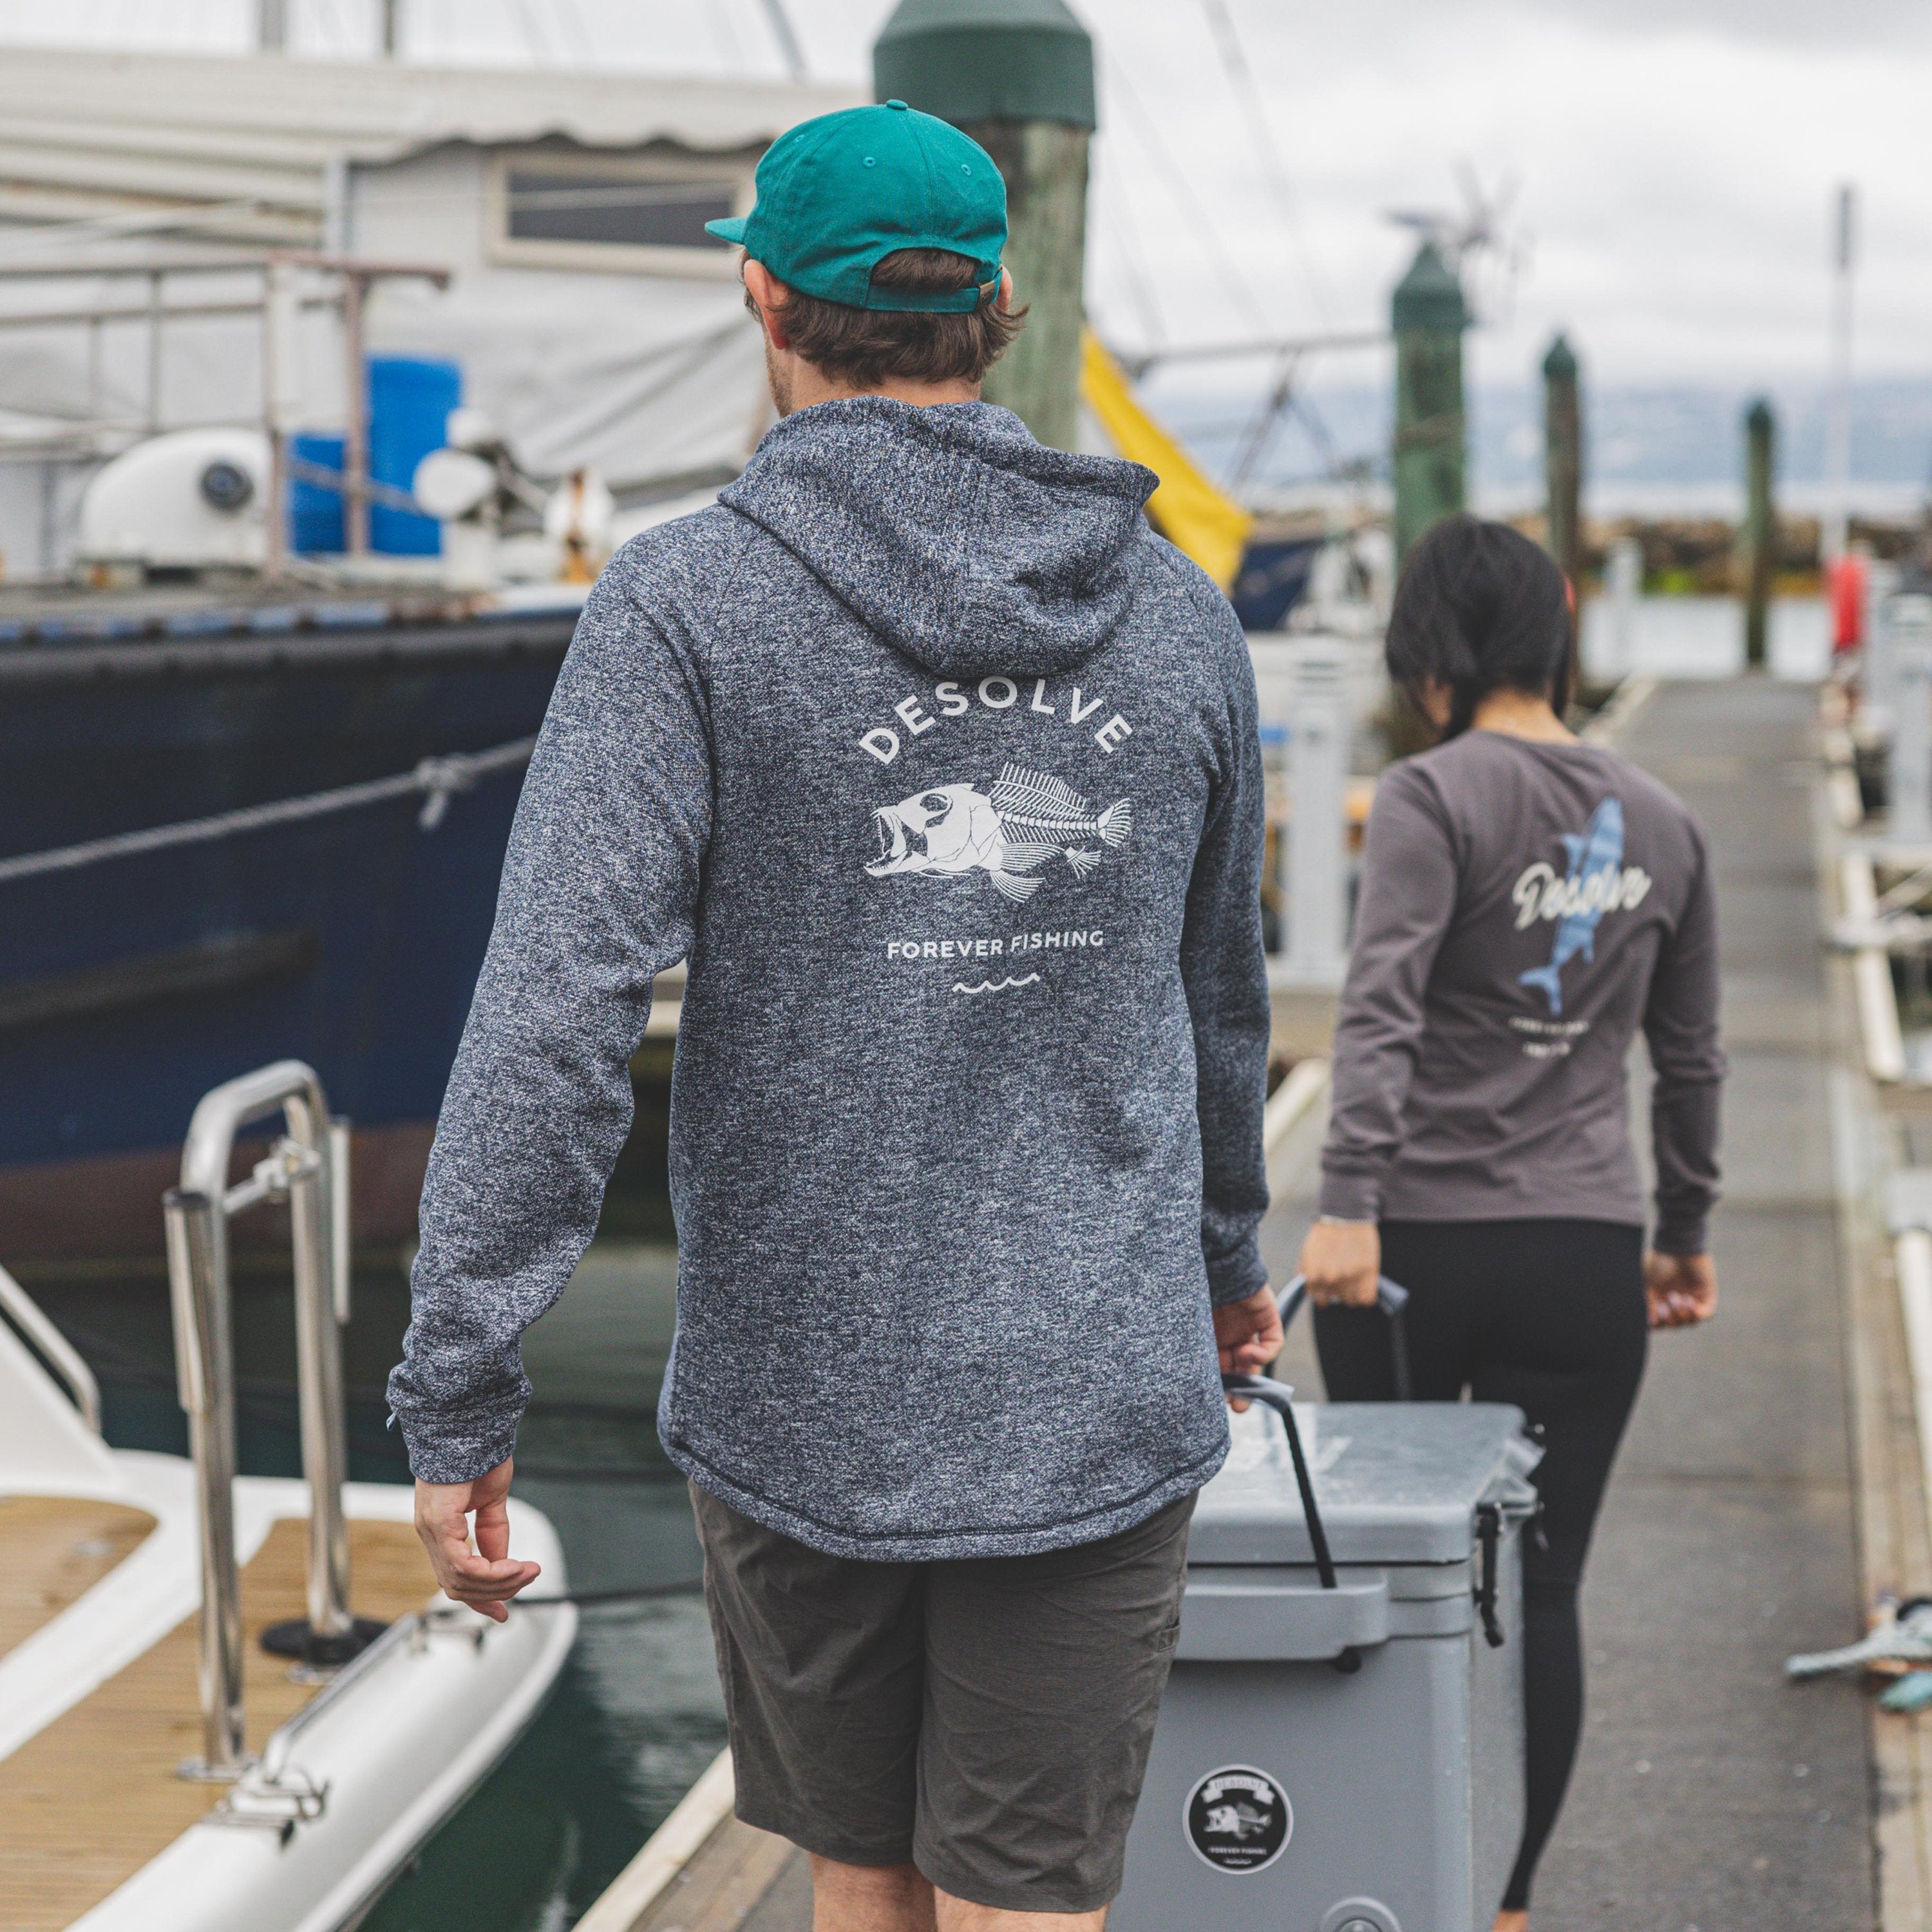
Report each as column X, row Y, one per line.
column 1225, row 973
column 599, row 894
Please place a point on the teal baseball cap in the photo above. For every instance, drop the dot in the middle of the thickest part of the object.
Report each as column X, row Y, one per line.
column 835, row 194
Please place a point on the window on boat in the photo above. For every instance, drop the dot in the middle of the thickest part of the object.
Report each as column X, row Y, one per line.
column 640, row 217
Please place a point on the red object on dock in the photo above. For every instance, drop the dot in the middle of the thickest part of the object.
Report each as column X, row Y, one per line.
column 1845, row 580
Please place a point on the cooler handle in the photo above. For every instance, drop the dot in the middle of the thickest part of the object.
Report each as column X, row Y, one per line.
column 1280, row 1397
column 1392, row 1298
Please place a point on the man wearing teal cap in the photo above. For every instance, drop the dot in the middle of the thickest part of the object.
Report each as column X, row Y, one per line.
column 940, row 772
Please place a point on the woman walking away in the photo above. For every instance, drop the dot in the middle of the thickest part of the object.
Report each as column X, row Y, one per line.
column 1527, row 900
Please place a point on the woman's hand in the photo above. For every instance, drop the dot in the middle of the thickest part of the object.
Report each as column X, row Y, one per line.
column 1681, row 1289
column 1343, row 1261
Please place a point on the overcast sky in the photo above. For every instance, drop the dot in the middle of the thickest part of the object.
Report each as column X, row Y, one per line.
column 1675, row 160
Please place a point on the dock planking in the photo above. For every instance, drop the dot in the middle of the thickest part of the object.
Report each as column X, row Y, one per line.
column 741, row 1879
column 88, row 1801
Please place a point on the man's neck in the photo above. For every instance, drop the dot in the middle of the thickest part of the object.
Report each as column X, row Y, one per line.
column 798, row 384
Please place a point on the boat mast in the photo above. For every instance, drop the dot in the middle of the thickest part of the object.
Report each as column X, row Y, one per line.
column 1835, row 535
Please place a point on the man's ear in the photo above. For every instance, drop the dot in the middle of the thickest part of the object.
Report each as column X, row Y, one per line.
column 1003, row 301
column 768, row 296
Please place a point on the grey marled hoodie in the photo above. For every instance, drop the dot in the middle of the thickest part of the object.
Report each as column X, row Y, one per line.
column 941, row 770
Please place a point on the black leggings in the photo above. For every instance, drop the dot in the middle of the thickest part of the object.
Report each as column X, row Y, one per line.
column 1548, row 1315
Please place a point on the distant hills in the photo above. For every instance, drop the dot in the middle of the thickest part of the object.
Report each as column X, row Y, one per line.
column 1659, row 449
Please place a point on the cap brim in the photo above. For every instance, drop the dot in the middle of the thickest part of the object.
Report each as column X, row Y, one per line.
column 731, row 229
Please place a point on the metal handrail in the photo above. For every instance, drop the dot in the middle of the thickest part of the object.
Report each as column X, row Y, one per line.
column 69, row 1369
column 308, row 1166
column 404, row 1631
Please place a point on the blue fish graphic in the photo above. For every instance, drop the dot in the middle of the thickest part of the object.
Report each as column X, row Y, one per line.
column 1599, row 848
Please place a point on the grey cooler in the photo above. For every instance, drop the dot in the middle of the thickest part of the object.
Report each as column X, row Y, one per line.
column 1346, row 1755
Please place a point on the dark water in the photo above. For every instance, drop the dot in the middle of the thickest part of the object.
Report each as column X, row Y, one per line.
column 636, row 1715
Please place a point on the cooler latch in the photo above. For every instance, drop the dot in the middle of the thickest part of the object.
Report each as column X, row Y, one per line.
column 1489, row 1538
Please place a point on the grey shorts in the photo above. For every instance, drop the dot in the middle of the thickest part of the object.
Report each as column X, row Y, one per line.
column 987, row 1720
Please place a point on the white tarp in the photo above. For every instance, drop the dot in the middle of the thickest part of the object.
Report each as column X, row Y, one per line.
column 652, row 379
column 82, row 132
column 643, row 380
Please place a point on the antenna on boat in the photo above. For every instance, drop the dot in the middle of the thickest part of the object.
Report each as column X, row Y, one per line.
column 1267, row 151
column 783, row 32
column 1476, row 243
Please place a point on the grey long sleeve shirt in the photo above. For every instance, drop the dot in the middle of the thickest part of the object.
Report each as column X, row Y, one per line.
column 1524, row 908
column 942, row 772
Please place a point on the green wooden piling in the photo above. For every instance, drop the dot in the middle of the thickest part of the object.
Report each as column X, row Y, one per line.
column 1430, row 317
column 1760, row 530
column 1563, row 459
column 1017, row 76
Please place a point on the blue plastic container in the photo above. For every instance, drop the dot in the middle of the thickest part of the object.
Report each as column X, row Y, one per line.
column 315, row 511
column 409, row 401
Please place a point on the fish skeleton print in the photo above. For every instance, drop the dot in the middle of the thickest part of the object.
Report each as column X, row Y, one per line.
column 1598, row 882
column 1010, row 832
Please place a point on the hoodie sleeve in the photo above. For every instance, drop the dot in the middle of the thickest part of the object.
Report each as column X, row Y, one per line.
column 1680, row 1025
column 1226, row 975
column 599, row 894
column 1406, row 902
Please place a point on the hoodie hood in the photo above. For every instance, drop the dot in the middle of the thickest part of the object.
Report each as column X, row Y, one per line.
column 949, row 531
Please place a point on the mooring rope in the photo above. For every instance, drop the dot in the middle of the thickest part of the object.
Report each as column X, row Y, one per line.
column 438, row 778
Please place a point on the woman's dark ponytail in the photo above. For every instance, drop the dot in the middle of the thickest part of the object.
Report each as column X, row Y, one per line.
column 1480, row 608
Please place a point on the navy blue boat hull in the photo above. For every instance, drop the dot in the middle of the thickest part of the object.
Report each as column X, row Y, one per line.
column 351, row 940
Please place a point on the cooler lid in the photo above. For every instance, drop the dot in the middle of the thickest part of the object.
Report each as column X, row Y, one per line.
column 1395, row 1482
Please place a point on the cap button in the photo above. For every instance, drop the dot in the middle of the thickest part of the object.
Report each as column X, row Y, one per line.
column 899, row 104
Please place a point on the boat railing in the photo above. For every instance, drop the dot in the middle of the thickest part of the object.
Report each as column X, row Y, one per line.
column 53, row 1348
column 308, row 1167
column 288, row 286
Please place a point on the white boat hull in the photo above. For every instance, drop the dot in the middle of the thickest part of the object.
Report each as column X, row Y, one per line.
column 394, row 1756
column 349, row 1788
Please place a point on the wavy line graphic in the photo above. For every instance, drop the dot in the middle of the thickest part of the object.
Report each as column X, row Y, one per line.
column 989, row 986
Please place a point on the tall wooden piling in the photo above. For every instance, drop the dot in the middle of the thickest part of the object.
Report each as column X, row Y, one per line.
column 1430, row 317
column 1760, row 530
column 1017, row 76
column 1563, row 459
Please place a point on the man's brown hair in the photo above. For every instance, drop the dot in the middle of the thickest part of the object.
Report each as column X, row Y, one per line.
column 865, row 346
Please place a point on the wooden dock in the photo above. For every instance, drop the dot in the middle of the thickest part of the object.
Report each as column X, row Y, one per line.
column 701, row 1870
column 91, row 1799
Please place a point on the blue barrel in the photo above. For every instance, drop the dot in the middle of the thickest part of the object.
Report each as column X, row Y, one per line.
column 409, row 401
column 315, row 511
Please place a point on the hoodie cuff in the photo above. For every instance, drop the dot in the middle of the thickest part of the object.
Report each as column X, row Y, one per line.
column 1237, row 1274
column 452, row 1450
column 1349, row 1197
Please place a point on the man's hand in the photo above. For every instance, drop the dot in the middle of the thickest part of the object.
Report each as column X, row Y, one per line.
column 487, row 1577
column 1681, row 1289
column 1248, row 1335
column 1343, row 1261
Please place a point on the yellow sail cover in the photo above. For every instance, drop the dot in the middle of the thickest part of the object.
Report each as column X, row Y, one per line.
column 1190, row 512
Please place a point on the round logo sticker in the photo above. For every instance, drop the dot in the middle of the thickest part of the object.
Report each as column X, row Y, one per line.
column 1239, row 1819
